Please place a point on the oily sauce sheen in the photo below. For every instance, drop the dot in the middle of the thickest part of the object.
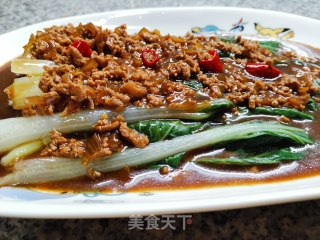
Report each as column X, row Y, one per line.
column 188, row 175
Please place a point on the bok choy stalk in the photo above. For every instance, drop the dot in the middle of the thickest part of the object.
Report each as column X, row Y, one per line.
column 22, row 88
column 20, row 152
column 271, row 157
column 37, row 127
column 52, row 169
column 29, row 66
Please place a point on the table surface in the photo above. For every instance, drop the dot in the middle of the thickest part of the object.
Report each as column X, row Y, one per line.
column 286, row 221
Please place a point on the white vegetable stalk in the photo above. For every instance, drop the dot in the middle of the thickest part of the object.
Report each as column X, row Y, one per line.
column 16, row 131
column 29, row 66
column 20, row 152
column 52, row 169
column 22, row 88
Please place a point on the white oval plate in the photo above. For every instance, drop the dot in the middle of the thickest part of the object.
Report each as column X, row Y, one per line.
column 15, row 202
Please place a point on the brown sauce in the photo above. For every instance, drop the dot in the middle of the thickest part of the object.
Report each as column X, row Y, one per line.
column 189, row 175
column 6, row 78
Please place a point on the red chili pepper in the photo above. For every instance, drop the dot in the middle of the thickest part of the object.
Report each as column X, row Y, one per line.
column 149, row 58
column 262, row 70
column 82, row 47
column 213, row 64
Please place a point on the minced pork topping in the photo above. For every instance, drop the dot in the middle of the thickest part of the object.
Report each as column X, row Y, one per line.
column 101, row 68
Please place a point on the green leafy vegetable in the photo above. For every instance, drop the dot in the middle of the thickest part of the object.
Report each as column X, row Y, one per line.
column 172, row 161
column 54, row 168
column 225, row 54
column 193, row 84
column 217, row 104
column 159, row 130
column 312, row 105
column 288, row 112
column 271, row 157
column 272, row 46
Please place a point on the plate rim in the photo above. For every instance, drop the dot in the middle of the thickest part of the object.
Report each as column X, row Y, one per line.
column 89, row 211
column 152, row 9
